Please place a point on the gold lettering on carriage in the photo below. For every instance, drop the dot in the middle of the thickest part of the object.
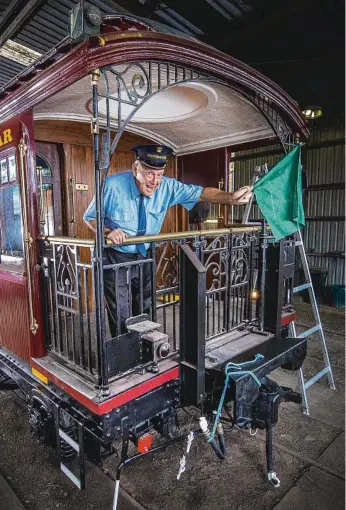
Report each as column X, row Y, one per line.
column 5, row 137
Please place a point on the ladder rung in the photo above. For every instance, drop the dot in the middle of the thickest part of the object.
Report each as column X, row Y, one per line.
column 71, row 475
column 298, row 243
column 302, row 287
column 316, row 377
column 310, row 331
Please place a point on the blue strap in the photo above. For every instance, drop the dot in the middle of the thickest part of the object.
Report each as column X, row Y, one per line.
column 230, row 370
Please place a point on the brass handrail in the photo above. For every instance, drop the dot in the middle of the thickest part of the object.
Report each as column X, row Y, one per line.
column 187, row 233
column 67, row 240
column 154, row 238
column 27, row 236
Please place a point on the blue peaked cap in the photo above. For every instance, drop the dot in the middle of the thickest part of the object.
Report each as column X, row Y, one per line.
column 154, row 156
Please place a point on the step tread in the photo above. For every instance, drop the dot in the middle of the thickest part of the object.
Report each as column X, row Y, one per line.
column 144, row 327
column 155, row 335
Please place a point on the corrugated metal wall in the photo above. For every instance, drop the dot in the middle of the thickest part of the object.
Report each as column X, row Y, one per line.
column 323, row 158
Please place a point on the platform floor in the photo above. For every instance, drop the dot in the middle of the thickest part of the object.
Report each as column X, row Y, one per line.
column 309, row 457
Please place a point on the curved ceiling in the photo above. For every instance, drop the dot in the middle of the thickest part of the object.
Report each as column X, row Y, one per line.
column 217, row 116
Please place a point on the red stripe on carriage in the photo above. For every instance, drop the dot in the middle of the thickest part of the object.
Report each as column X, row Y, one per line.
column 138, row 391
column 113, row 402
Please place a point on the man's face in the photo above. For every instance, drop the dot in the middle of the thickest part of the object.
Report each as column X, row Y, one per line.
column 147, row 179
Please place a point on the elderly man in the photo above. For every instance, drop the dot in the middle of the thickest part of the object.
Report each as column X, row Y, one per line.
column 135, row 203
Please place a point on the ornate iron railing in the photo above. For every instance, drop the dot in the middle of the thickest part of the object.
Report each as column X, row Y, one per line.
column 229, row 256
column 229, row 259
column 69, row 295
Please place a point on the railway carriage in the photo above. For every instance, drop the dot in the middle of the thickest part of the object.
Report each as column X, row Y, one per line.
column 220, row 297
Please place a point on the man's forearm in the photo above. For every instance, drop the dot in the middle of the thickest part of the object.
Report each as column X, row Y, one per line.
column 92, row 225
column 117, row 236
column 216, row 196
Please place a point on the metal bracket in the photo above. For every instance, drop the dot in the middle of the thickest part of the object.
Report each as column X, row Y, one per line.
column 34, row 326
column 82, row 187
column 95, row 75
column 29, row 239
column 95, row 126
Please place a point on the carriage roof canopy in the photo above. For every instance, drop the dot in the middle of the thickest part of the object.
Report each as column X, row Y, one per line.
column 216, row 100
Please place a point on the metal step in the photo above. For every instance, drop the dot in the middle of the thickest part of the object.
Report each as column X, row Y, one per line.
column 78, row 447
column 156, row 336
column 302, row 287
column 310, row 331
column 143, row 327
column 316, row 377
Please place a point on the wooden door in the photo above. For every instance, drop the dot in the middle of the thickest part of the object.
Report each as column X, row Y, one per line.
column 79, row 184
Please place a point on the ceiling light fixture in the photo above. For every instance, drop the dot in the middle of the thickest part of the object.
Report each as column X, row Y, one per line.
column 312, row 112
column 19, row 53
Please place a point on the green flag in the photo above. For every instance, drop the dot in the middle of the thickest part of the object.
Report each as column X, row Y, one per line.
column 279, row 195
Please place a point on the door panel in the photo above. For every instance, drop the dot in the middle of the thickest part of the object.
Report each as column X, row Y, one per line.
column 21, row 327
column 14, row 317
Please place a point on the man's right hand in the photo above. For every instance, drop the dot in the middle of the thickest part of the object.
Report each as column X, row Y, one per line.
column 242, row 195
column 117, row 236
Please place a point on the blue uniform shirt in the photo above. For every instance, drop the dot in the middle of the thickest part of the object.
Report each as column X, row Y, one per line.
column 121, row 204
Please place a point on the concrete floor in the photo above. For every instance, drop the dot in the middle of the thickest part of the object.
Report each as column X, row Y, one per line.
column 308, row 450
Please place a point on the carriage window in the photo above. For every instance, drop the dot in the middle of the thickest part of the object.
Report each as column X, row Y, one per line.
column 12, row 174
column 3, row 171
column 45, row 188
column 11, row 233
column 11, row 230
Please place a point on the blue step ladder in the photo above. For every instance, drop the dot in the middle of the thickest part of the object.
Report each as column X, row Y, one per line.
column 317, row 328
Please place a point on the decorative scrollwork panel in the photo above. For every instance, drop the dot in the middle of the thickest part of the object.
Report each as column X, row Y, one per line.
column 70, row 314
column 65, row 257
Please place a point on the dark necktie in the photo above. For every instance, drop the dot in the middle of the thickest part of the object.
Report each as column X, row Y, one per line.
column 142, row 225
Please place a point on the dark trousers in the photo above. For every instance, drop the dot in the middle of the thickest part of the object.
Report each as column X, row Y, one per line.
column 127, row 289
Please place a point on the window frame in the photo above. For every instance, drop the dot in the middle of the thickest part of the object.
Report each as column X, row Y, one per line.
column 20, row 266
